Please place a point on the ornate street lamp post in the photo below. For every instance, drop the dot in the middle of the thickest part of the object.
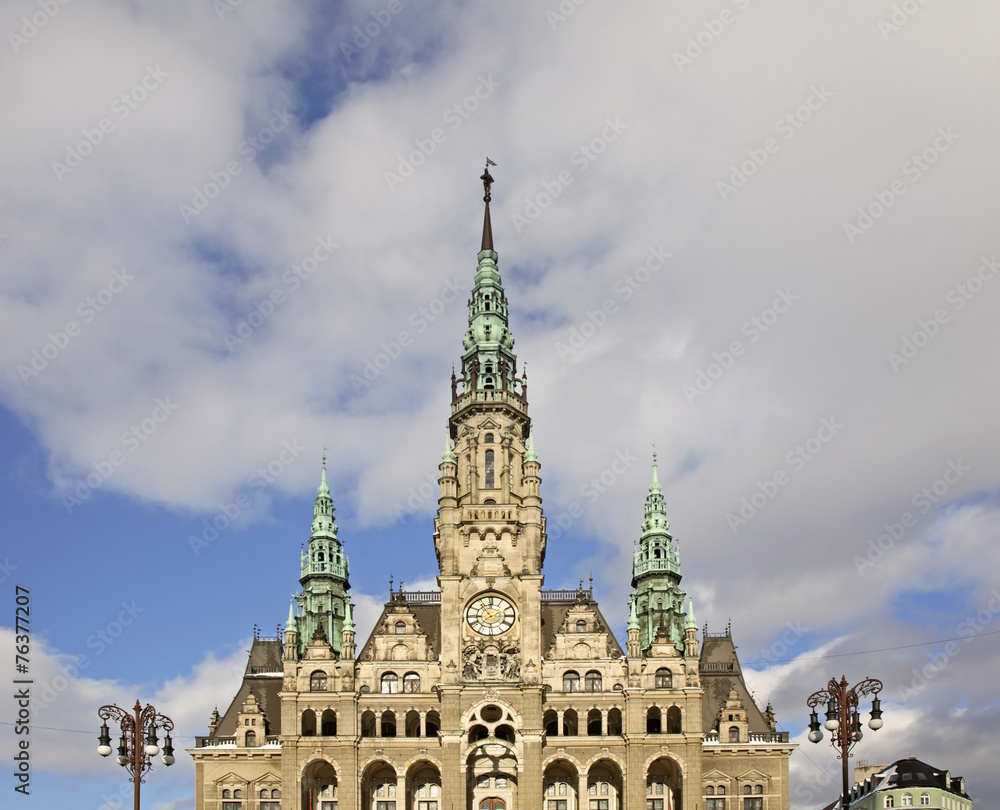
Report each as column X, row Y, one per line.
column 137, row 744
column 843, row 720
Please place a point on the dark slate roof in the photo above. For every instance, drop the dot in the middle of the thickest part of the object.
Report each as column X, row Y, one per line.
column 912, row 772
column 263, row 677
column 428, row 616
column 553, row 616
column 720, row 673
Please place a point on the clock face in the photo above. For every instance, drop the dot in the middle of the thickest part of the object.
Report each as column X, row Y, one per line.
column 490, row 615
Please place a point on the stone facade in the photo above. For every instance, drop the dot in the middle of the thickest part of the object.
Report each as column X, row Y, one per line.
column 491, row 692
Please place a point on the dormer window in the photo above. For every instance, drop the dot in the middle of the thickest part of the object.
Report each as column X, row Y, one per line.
column 581, row 626
column 400, row 628
column 489, row 438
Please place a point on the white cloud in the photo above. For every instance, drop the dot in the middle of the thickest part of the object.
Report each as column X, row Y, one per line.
column 653, row 185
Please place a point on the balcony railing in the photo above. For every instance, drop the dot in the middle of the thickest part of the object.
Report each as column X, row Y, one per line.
column 230, row 742
column 662, row 564
column 415, row 596
column 755, row 737
column 717, row 666
column 495, row 395
column 568, row 595
column 334, row 570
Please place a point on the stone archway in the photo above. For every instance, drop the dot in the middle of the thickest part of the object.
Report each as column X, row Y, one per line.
column 664, row 785
column 492, row 777
column 320, row 784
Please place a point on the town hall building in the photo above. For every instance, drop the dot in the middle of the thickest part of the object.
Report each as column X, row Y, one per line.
column 492, row 693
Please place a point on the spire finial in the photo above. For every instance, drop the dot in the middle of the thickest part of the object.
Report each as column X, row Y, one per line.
column 487, row 179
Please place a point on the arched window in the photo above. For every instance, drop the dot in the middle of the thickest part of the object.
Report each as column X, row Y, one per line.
column 664, row 678
column 653, row 721
column 592, row 681
column 571, row 681
column 581, row 626
column 615, row 722
column 753, row 803
column 489, row 438
column 714, row 803
column 368, row 724
column 317, row 681
column 888, row 800
column 734, row 736
column 237, row 794
column 226, row 794
column 490, row 474
column 907, row 800
column 328, row 723
column 390, row 683
column 411, row 682
column 400, row 628
column 263, row 793
column 925, row 799
column 388, row 724
column 594, row 723
column 308, row 723
column 251, row 739
column 275, row 794
column 673, row 720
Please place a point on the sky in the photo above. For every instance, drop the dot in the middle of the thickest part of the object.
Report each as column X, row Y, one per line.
column 235, row 235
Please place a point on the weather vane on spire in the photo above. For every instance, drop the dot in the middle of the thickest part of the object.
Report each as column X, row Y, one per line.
column 487, row 179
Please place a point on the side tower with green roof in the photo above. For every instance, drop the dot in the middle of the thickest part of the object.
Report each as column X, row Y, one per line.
column 657, row 598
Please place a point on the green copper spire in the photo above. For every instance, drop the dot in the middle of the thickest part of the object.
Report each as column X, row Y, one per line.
column 325, row 573
column 690, row 618
column 656, row 571
column 489, row 365
column 529, row 450
column 448, row 456
column 656, row 508
column 633, row 619
column 290, row 624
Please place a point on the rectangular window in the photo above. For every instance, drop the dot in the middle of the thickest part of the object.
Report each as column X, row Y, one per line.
column 599, row 804
column 270, row 806
column 715, row 804
column 326, row 806
column 558, row 804
column 427, row 806
column 232, row 805
column 654, row 804
column 385, row 806
column 753, row 804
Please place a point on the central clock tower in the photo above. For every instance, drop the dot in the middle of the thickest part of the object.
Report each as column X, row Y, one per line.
column 489, row 534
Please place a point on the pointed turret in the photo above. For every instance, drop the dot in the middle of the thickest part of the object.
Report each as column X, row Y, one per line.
column 632, row 645
column 489, row 365
column 325, row 572
column 529, row 452
column 656, row 572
